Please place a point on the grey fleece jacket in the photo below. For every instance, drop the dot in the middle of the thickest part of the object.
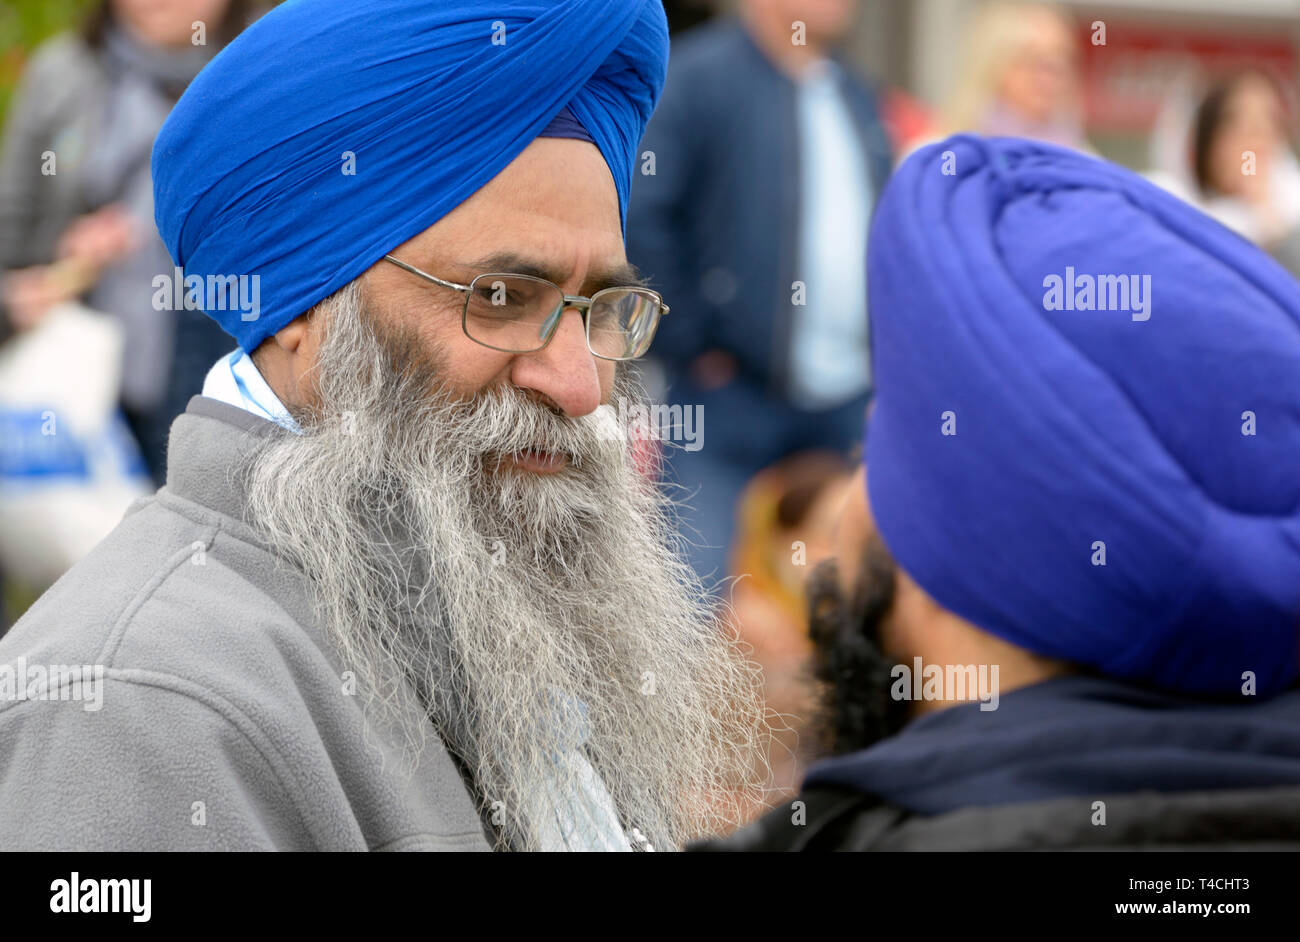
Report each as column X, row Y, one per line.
column 223, row 721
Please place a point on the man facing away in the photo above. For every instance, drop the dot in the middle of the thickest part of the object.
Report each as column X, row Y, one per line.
column 1065, row 611
column 404, row 588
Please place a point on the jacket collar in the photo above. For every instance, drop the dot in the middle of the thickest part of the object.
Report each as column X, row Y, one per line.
column 1075, row 735
column 207, row 443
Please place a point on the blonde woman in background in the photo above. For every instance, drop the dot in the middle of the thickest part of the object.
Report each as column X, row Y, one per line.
column 1019, row 76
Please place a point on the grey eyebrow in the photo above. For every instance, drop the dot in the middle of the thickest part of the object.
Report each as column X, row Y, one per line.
column 616, row 276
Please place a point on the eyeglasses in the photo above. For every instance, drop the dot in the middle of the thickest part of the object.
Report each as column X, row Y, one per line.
column 519, row 313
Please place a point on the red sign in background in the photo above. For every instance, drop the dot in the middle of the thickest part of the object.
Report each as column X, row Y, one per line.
column 1126, row 81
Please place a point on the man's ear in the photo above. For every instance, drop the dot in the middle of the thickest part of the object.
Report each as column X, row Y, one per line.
column 284, row 357
column 291, row 336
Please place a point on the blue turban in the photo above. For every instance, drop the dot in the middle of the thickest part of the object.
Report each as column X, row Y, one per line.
column 1117, row 487
column 433, row 99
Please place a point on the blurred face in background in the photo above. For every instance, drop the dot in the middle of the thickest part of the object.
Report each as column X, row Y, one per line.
column 167, row 23
column 824, row 20
column 1040, row 78
column 1252, row 119
column 786, row 519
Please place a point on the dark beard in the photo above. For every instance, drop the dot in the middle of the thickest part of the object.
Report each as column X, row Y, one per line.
column 856, row 709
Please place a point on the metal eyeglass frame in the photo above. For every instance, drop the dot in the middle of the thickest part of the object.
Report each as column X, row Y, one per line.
column 581, row 304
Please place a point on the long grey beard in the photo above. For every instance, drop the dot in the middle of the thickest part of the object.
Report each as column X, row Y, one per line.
column 499, row 604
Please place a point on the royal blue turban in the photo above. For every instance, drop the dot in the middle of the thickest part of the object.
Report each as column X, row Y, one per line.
column 433, row 98
column 1117, row 488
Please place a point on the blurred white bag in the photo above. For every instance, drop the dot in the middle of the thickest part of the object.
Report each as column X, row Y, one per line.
column 69, row 466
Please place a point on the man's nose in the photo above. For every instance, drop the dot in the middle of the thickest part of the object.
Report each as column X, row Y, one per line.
column 564, row 370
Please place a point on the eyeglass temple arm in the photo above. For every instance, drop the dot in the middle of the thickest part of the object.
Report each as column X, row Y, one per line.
column 424, row 274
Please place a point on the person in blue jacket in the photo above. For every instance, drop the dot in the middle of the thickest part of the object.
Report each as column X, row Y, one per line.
column 757, row 177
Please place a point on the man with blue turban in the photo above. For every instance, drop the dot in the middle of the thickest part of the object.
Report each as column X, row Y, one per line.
column 1065, row 610
column 405, row 587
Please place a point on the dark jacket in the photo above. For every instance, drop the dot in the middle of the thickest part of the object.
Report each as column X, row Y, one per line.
column 715, row 226
column 1048, row 767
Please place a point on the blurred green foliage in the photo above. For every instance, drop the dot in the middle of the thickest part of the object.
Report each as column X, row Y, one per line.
column 24, row 25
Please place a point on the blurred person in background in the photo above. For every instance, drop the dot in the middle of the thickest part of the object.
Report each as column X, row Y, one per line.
column 1019, row 76
column 785, row 520
column 83, row 225
column 768, row 151
column 1064, row 610
column 1232, row 158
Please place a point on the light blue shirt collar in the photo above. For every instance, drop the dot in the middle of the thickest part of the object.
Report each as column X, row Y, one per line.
column 235, row 379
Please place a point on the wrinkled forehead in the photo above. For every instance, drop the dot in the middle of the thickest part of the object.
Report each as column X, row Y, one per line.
column 555, row 206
